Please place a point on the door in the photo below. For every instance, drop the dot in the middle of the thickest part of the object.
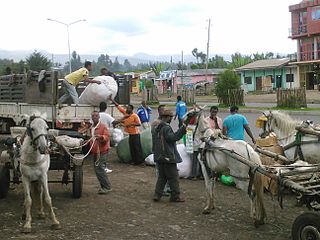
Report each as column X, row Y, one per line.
column 278, row 81
column 310, row 81
column 258, row 83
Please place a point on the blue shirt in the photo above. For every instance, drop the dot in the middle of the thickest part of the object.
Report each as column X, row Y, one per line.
column 181, row 109
column 144, row 114
column 235, row 126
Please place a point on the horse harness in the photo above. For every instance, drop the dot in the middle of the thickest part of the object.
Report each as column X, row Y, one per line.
column 30, row 134
column 251, row 173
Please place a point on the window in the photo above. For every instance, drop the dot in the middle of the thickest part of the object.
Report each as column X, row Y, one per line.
column 315, row 15
column 248, row 80
column 290, row 78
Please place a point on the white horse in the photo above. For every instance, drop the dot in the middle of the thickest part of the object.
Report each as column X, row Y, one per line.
column 306, row 148
column 219, row 161
column 34, row 165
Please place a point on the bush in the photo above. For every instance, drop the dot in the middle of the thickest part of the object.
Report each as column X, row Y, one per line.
column 227, row 80
column 149, row 84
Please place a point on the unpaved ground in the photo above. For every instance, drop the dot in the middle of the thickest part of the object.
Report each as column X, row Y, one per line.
column 129, row 213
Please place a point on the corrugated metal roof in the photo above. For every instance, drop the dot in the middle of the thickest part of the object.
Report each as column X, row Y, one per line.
column 200, row 72
column 266, row 63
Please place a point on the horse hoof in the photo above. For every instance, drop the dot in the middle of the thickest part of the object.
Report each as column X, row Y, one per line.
column 258, row 223
column 26, row 230
column 206, row 211
column 55, row 226
column 41, row 216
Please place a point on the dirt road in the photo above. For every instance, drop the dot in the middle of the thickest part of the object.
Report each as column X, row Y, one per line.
column 129, row 213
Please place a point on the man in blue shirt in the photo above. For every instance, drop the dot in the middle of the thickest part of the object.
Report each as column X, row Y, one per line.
column 144, row 112
column 235, row 124
column 181, row 109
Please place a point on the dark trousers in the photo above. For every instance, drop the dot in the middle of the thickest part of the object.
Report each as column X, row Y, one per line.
column 100, row 170
column 195, row 166
column 168, row 172
column 135, row 149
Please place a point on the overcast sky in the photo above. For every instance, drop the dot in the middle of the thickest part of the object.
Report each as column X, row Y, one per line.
column 154, row 27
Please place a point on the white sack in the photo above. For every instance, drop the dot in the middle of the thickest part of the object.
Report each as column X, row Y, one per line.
column 116, row 136
column 95, row 93
column 69, row 142
column 184, row 168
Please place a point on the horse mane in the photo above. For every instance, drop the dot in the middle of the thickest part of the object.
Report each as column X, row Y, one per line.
column 284, row 122
column 35, row 114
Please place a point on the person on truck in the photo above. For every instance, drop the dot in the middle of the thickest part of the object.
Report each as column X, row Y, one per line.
column 70, row 82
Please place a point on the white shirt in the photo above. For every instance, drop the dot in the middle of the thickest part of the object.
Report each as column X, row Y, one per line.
column 106, row 119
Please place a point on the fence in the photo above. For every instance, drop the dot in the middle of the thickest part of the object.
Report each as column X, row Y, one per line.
column 187, row 95
column 150, row 95
column 293, row 98
column 234, row 97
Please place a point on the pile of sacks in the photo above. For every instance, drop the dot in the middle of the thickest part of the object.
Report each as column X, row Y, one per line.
column 184, row 168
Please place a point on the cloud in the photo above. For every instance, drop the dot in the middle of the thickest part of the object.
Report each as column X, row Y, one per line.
column 127, row 26
column 178, row 15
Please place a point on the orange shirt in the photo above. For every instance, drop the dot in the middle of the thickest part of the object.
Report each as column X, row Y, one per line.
column 100, row 146
column 130, row 119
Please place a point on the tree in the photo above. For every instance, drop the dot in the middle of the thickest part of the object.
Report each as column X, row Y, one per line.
column 195, row 54
column 127, row 65
column 116, row 66
column 37, row 62
column 157, row 68
column 238, row 60
column 227, row 80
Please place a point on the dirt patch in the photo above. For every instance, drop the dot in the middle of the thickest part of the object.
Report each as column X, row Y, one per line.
column 129, row 213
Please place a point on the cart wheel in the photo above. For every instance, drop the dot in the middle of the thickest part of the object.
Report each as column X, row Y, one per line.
column 77, row 182
column 4, row 180
column 306, row 227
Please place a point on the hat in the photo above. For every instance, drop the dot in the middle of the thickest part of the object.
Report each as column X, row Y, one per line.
column 167, row 112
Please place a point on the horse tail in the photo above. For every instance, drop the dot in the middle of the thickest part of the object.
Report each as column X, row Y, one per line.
column 259, row 205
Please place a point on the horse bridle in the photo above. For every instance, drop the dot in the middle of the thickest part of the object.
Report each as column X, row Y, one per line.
column 30, row 134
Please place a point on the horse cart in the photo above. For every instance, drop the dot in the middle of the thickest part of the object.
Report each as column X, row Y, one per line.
column 61, row 158
column 302, row 180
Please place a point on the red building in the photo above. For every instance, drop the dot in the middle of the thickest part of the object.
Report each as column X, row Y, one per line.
column 305, row 28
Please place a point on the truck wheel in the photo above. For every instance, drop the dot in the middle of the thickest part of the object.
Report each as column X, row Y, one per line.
column 4, row 180
column 306, row 227
column 77, row 181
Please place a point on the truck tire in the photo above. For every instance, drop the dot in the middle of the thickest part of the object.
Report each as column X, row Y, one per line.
column 4, row 180
column 306, row 226
column 77, row 181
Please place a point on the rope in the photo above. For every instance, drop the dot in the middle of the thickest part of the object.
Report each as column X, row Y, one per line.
column 93, row 138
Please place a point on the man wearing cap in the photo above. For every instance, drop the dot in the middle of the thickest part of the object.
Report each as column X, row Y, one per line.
column 166, row 156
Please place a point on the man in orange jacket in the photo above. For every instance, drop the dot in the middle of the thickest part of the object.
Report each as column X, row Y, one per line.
column 100, row 144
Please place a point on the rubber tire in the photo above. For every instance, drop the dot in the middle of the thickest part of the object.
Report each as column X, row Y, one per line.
column 306, row 220
column 77, row 181
column 4, row 181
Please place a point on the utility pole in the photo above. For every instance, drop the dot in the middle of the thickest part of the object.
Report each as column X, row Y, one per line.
column 182, row 68
column 208, row 49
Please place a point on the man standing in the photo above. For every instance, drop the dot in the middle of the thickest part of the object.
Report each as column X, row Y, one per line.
column 166, row 156
column 214, row 120
column 70, row 82
column 131, row 122
column 99, row 151
column 105, row 118
column 181, row 109
column 235, row 124
column 144, row 112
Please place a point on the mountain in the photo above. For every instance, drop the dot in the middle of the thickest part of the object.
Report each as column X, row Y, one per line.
column 134, row 60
